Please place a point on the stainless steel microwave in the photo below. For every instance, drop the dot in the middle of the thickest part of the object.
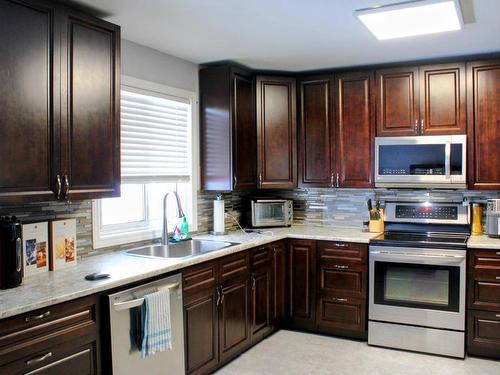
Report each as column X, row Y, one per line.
column 421, row 162
column 270, row 213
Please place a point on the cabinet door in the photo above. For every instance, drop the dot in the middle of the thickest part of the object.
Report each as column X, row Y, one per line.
column 244, row 134
column 279, row 283
column 397, row 102
column 302, row 283
column 90, row 131
column 28, row 100
column 442, row 99
column 355, row 129
column 483, row 333
column 316, row 156
column 276, row 133
column 261, row 302
column 234, row 319
column 201, row 331
column 341, row 315
column 483, row 92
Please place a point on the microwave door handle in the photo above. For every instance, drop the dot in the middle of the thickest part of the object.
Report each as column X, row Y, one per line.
column 447, row 151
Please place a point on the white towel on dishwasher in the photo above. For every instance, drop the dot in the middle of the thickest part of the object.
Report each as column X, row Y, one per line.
column 156, row 323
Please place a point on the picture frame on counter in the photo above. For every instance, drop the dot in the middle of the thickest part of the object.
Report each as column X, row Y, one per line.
column 35, row 248
column 63, row 252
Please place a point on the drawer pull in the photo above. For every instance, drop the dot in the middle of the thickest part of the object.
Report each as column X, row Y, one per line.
column 497, row 315
column 340, row 267
column 31, row 318
column 338, row 244
column 38, row 359
column 498, row 252
column 339, row 299
column 497, row 278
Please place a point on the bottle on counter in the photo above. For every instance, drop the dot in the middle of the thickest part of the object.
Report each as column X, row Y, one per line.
column 477, row 219
column 184, row 229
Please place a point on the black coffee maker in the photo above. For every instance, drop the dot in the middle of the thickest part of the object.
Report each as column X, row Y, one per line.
column 11, row 252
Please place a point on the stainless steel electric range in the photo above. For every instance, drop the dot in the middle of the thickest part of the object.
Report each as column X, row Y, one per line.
column 417, row 278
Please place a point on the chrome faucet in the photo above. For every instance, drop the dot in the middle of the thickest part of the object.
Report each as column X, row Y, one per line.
column 180, row 214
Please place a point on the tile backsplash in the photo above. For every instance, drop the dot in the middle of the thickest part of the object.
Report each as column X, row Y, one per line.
column 325, row 207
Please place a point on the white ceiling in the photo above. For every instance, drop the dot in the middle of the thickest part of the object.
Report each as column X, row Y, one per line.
column 288, row 34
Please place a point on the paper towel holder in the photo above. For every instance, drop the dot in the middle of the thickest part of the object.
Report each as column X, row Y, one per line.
column 217, row 200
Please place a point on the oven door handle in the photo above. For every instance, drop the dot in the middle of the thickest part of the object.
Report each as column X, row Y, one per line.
column 394, row 256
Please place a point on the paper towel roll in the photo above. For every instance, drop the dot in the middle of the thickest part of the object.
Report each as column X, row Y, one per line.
column 218, row 216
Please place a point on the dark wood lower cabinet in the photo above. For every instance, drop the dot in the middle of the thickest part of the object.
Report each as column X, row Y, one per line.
column 341, row 315
column 483, row 333
column 201, row 331
column 261, row 303
column 280, row 281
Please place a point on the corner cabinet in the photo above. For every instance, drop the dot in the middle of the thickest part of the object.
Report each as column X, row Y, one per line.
column 228, row 144
column 276, row 133
column 59, row 103
column 483, row 92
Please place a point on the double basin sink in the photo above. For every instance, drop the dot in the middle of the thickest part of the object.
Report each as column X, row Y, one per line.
column 184, row 249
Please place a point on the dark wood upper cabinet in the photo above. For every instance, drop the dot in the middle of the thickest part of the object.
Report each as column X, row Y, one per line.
column 355, row 129
column 228, row 148
column 29, row 108
column 90, row 131
column 276, row 132
column 483, row 93
column 316, row 145
column 442, row 99
column 59, row 103
column 397, row 102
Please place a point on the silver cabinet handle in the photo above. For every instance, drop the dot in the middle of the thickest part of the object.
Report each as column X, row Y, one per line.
column 58, row 187
column 218, row 296
column 66, row 187
column 416, row 126
column 253, row 282
column 338, row 179
column 497, row 278
column 38, row 359
column 340, row 244
column 421, row 126
column 334, row 299
column 235, row 180
column 31, row 318
column 260, row 179
column 498, row 252
column 221, row 295
column 497, row 315
column 340, row 267
column 331, row 180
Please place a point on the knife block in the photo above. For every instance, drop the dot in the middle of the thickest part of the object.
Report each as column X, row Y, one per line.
column 377, row 226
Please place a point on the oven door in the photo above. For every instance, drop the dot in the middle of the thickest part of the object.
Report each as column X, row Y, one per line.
column 431, row 161
column 422, row 287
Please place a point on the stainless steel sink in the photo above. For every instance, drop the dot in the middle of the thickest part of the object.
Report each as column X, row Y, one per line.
column 183, row 249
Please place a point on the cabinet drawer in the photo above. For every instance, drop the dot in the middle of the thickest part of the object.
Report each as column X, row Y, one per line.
column 341, row 315
column 343, row 278
column 484, row 292
column 199, row 277
column 260, row 257
column 60, row 359
column 484, row 259
column 483, row 333
column 39, row 325
column 233, row 266
column 337, row 251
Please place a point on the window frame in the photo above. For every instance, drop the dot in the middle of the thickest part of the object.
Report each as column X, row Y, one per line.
column 119, row 234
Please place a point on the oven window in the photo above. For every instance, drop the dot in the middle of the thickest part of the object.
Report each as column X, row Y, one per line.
column 420, row 286
column 270, row 213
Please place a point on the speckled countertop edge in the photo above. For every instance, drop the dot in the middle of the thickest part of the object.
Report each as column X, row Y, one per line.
column 51, row 288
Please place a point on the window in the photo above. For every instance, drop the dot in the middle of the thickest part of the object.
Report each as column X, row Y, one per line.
column 158, row 155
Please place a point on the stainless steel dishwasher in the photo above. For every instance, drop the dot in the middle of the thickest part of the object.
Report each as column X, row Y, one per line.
column 124, row 311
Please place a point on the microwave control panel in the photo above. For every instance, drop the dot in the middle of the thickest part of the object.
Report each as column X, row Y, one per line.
column 426, row 212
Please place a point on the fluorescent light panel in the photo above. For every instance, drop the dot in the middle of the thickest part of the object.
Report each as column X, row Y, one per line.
column 411, row 18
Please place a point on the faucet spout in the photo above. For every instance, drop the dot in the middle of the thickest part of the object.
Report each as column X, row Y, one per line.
column 180, row 214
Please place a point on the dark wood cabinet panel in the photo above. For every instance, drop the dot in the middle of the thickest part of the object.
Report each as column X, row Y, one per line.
column 234, row 266
column 234, row 319
column 28, row 103
column 276, row 132
column 316, row 145
column 483, row 82
column 355, row 129
column 261, row 303
column 345, row 252
column 201, row 331
column 280, row 283
column 302, row 271
column 483, row 279
column 442, row 99
column 341, row 315
column 483, row 333
column 346, row 279
column 90, row 131
column 397, row 96
column 199, row 277
column 228, row 133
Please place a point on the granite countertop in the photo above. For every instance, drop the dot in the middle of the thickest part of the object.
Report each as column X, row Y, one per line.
column 55, row 287
column 483, row 242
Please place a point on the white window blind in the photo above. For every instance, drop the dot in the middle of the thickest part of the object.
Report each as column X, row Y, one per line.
column 155, row 137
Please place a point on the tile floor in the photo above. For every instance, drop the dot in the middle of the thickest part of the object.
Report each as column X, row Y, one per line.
column 290, row 353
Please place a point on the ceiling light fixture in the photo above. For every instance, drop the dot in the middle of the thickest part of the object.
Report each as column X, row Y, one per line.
column 411, row 18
